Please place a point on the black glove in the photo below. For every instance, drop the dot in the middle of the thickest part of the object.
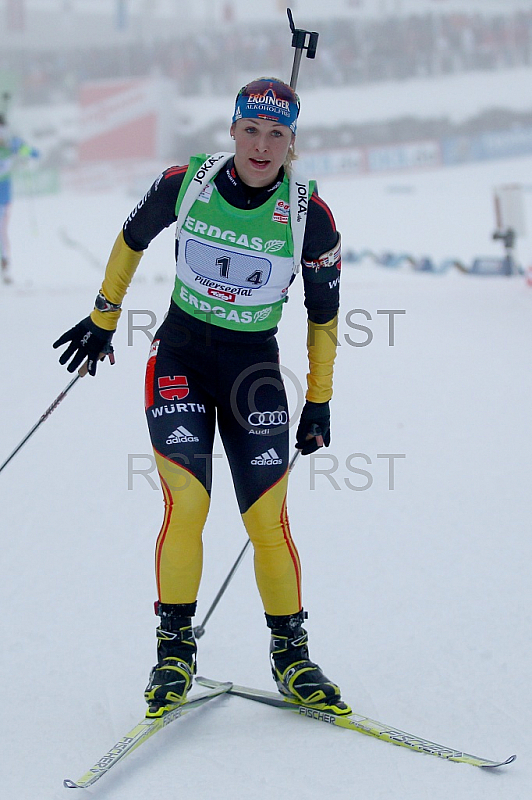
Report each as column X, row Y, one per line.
column 314, row 429
column 87, row 340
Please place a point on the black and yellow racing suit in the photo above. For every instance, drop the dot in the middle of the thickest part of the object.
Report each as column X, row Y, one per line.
column 200, row 375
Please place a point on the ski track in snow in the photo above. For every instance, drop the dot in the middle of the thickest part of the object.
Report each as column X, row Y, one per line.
column 419, row 597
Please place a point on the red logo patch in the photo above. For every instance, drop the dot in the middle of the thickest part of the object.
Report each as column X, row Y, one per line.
column 281, row 212
column 173, row 388
column 221, row 295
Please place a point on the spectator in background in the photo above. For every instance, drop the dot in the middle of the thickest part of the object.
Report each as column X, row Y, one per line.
column 11, row 147
column 363, row 49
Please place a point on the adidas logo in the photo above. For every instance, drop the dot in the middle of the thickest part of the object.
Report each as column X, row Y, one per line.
column 267, row 459
column 181, row 435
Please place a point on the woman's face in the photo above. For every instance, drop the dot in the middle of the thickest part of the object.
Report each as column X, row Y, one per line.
column 261, row 147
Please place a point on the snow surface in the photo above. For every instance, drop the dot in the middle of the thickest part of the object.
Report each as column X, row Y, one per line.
column 419, row 597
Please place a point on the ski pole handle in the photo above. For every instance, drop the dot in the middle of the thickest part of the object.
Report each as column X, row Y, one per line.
column 301, row 40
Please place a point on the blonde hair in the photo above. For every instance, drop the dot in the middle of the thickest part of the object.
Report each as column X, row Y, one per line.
column 291, row 156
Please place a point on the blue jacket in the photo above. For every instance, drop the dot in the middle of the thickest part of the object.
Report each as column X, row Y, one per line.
column 10, row 148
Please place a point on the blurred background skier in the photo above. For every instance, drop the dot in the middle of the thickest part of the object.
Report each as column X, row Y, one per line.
column 12, row 147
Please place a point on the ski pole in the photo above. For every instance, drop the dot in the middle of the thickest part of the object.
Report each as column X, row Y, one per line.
column 199, row 630
column 301, row 40
column 77, row 245
column 82, row 371
column 42, row 419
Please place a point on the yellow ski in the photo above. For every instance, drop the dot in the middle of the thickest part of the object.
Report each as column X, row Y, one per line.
column 145, row 729
column 362, row 724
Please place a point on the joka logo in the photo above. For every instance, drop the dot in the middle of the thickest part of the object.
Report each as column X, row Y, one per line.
column 302, row 200
column 206, row 168
column 181, row 435
column 267, row 459
column 173, row 388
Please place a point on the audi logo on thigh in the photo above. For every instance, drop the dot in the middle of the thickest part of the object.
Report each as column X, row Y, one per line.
column 257, row 418
column 275, row 420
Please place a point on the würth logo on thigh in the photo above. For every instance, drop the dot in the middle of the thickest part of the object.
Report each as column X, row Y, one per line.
column 173, row 387
column 267, row 459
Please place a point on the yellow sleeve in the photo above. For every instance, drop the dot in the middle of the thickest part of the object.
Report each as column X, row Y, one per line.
column 322, row 342
column 119, row 272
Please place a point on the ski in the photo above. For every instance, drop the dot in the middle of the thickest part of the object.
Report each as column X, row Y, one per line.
column 140, row 734
column 362, row 724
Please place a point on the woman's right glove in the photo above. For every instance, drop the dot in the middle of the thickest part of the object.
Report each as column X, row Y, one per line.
column 314, row 429
column 87, row 341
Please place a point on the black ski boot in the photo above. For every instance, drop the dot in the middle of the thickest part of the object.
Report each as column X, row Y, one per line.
column 172, row 676
column 297, row 677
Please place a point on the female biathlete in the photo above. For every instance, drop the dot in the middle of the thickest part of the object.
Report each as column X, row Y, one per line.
column 245, row 223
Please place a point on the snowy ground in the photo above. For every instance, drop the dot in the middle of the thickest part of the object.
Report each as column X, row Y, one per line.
column 419, row 597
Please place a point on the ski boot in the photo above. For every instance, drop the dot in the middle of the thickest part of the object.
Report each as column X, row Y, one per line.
column 298, row 678
column 172, row 676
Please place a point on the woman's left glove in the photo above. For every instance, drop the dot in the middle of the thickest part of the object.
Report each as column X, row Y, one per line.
column 314, row 429
column 87, row 340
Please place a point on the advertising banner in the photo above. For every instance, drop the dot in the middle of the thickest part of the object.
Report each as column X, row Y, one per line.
column 121, row 119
